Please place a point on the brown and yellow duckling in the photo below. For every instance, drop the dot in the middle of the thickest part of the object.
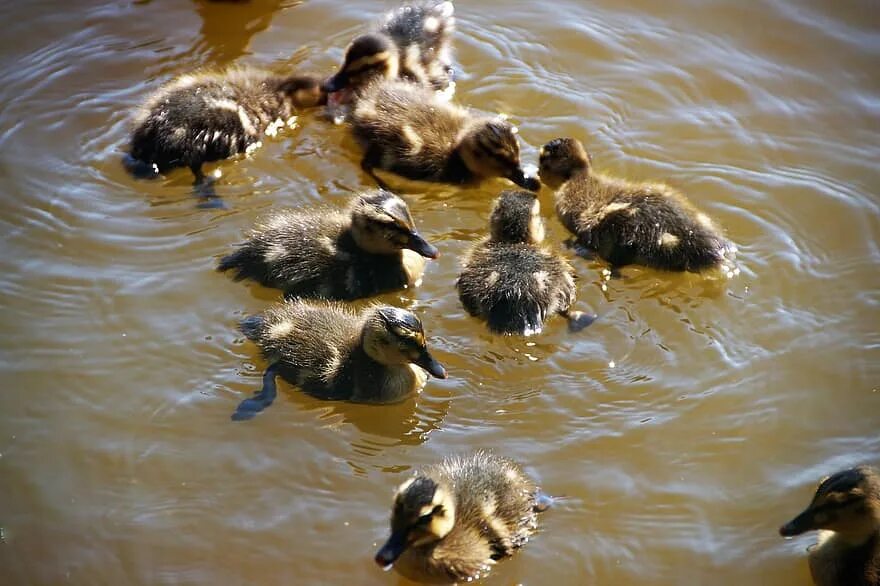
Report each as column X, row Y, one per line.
column 369, row 248
column 377, row 356
column 846, row 512
column 650, row 224
column 413, row 43
column 204, row 117
column 408, row 130
column 454, row 520
column 509, row 280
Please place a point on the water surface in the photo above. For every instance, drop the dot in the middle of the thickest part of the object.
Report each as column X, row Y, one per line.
column 684, row 426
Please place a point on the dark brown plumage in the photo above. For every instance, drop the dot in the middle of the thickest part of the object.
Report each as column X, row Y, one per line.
column 410, row 131
column 625, row 223
column 203, row 117
column 510, row 281
column 454, row 520
column 846, row 511
column 376, row 356
column 369, row 248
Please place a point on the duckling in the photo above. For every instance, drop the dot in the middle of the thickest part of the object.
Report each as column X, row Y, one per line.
column 369, row 248
column 413, row 43
column 203, row 117
column 629, row 223
column 511, row 282
column 846, row 510
column 377, row 356
column 409, row 131
column 454, row 520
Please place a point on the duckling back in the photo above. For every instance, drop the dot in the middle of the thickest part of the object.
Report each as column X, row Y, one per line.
column 515, row 286
column 422, row 32
column 208, row 117
column 311, row 343
column 648, row 224
column 410, row 131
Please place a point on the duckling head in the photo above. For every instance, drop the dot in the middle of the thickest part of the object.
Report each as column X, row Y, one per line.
column 395, row 336
column 368, row 58
column 561, row 159
column 423, row 513
column 516, row 218
column 490, row 149
column 381, row 224
column 304, row 91
column 847, row 503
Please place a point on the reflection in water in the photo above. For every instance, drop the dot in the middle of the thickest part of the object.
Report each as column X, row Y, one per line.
column 680, row 423
column 228, row 26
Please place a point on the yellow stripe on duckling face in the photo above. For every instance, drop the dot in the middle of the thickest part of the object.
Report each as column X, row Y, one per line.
column 367, row 61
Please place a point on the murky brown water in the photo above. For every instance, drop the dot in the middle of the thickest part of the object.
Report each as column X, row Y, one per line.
column 685, row 425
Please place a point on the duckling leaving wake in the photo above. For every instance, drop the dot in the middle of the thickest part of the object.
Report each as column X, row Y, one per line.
column 370, row 248
column 199, row 118
column 512, row 283
column 454, row 520
column 408, row 130
column 377, row 356
column 650, row 224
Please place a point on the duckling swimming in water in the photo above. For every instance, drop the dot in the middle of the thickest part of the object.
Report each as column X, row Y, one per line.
column 454, row 520
column 414, row 43
column 625, row 223
column 204, row 117
column 377, row 356
column 369, row 248
column 846, row 510
column 509, row 280
column 408, row 130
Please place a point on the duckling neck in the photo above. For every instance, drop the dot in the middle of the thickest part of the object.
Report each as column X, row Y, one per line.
column 375, row 382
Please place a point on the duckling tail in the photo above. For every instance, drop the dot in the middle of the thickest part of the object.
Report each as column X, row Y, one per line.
column 252, row 327
column 517, row 316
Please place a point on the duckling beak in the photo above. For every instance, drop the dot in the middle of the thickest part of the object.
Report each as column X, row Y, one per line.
column 420, row 245
column 800, row 524
column 392, row 549
column 529, row 182
column 433, row 367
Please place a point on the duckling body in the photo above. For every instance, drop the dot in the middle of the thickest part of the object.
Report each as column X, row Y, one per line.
column 413, row 43
column 511, row 282
column 650, row 224
column 454, row 520
column 409, row 131
column 377, row 356
column 422, row 32
column 369, row 248
column 846, row 511
column 205, row 117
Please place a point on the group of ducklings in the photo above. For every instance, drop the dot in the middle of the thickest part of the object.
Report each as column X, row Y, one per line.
column 451, row 521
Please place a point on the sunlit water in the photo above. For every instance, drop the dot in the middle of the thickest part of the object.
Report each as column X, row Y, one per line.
column 684, row 426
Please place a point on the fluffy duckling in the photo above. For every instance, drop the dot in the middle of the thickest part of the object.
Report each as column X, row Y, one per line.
column 377, row 356
column 408, row 130
column 453, row 520
column 625, row 223
column 414, row 43
column 369, row 248
column 846, row 510
column 198, row 118
column 509, row 280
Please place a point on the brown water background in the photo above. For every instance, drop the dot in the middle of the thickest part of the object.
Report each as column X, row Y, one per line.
column 684, row 426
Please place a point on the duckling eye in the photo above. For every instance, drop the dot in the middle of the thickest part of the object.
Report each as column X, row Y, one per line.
column 424, row 519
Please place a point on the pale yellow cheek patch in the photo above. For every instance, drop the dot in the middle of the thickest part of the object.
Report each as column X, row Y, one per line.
column 615, row 207
column 667, row 239
column 280, row 329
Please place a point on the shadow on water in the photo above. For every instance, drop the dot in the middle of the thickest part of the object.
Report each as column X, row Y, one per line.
column 229, row 25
